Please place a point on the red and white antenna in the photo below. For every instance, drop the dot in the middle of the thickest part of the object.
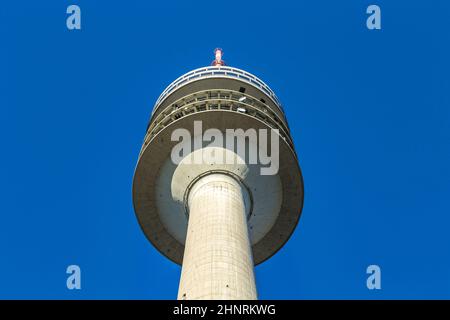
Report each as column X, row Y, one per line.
column 217, row 62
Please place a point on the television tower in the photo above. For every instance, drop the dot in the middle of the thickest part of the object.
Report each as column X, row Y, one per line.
column 218, row 219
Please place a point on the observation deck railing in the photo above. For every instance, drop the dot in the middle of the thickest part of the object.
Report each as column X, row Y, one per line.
column 218, row 72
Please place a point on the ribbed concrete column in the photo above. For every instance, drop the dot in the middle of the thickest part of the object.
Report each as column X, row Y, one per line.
column 217, row 262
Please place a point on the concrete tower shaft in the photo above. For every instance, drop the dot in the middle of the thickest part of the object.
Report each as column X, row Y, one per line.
column 217, row 262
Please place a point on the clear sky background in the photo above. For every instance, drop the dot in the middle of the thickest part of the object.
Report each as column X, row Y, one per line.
column 369, row 113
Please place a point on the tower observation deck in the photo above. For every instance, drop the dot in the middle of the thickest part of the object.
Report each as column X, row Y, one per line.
column 218, row 219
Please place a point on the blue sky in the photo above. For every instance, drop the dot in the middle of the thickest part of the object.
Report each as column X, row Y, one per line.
column 369, row 113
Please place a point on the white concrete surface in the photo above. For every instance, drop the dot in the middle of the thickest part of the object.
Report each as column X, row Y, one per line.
column 174, row 180
column 217, row 262
column 159, row 187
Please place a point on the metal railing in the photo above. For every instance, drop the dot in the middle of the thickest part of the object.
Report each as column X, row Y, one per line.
column 216, row 99
column 218, row 72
